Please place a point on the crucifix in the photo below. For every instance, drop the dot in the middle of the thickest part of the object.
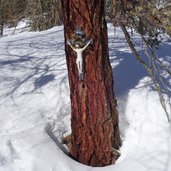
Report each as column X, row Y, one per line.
column 78, row 45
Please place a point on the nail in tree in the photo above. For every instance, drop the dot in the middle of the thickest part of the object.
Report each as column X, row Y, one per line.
column 94, row 118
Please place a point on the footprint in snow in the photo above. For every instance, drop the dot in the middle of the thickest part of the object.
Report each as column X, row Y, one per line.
column 8, row 153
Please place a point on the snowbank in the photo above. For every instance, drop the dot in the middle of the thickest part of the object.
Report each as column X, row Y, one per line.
column 35, row 106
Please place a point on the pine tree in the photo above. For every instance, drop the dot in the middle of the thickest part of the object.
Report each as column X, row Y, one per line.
column 94, row 121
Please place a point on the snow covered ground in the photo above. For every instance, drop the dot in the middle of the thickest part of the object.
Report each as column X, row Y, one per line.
column 35, row 106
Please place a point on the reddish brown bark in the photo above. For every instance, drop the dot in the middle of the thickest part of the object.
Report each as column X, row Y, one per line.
column 94, row 119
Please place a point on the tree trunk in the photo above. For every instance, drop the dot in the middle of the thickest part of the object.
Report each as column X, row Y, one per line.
column 94, row 117
column 1, row 28
column 1, row 19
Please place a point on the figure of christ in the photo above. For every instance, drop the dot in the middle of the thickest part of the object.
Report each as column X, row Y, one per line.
column 79, row 60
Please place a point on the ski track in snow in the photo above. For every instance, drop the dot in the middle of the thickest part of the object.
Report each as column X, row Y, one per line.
column 35, row 106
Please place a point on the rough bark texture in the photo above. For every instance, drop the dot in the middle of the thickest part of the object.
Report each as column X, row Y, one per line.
column 94, row 119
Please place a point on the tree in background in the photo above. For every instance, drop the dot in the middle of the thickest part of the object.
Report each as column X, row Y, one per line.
column 1, row 18
column 94, row 118
column 43, row 14
column 40, row 14
column 150, row 19
column 11, row 12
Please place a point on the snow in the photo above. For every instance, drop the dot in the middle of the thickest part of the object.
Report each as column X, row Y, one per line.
column 35, row 106
column 22, row 26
